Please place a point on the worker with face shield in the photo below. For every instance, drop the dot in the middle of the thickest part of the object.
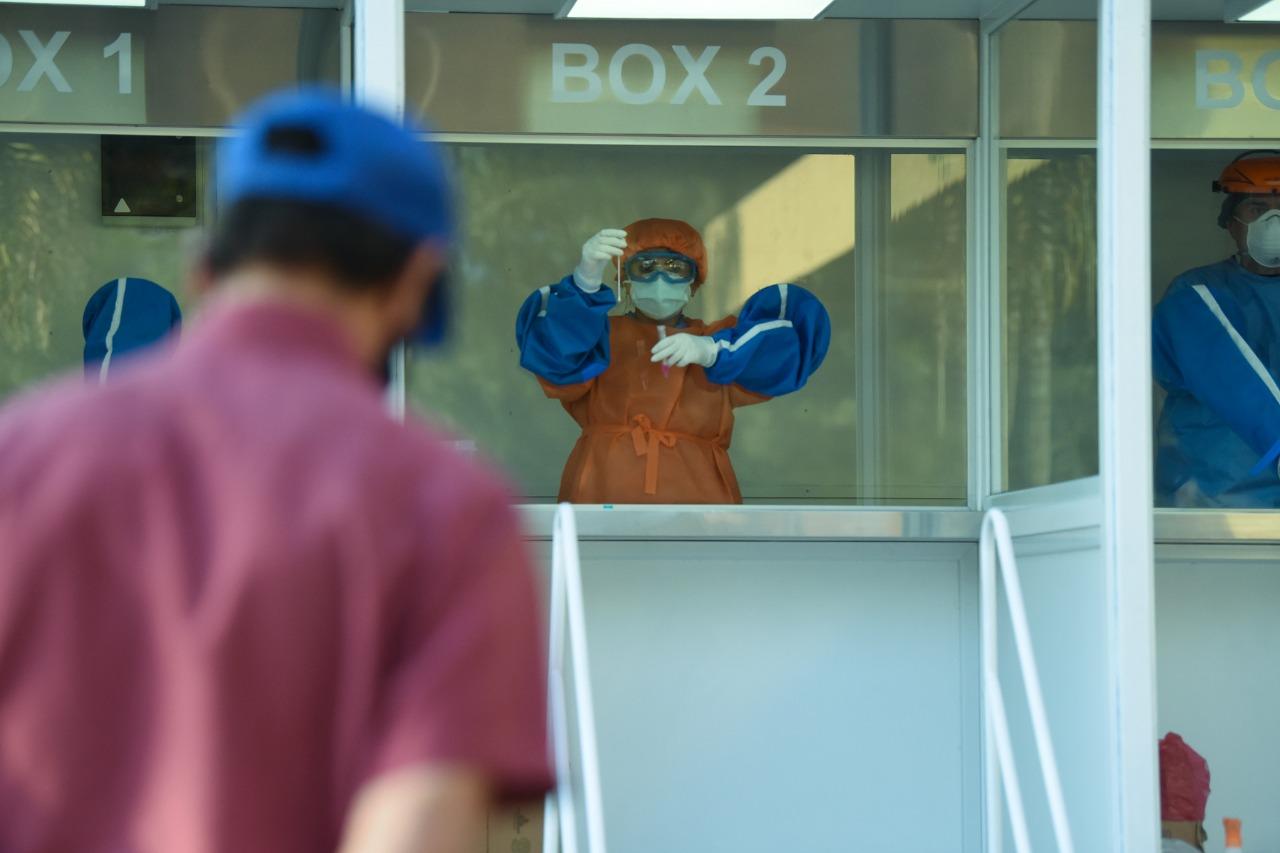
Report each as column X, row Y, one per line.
column 653, row 389
column 1216, row 352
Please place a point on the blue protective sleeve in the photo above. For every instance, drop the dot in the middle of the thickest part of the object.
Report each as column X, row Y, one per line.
column 1194, row 352
column 781, row 338
column 563, row 332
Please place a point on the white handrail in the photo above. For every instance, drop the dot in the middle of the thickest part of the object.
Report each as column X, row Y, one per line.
column 568, row 618
column 996, row 541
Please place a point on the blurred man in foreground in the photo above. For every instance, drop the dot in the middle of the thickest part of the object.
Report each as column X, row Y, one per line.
column 241, row 608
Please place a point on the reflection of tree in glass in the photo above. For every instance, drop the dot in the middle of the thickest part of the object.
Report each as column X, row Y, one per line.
column 1051, row 371
column 36, row 184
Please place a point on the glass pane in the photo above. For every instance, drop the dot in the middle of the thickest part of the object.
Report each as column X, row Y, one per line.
column 1048, row 80
column 1050, row 364
column 1215, row 415
column 834, row 78
column 1208, row 80
column 920, row 359
column 194, row 66
column 61, row 239
column 766, row 215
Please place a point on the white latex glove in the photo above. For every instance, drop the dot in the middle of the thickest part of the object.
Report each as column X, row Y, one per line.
column 597, row 252
column 683, row 349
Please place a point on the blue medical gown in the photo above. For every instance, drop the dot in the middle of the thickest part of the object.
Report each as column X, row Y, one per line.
column 1216, row 351
column 772, row 348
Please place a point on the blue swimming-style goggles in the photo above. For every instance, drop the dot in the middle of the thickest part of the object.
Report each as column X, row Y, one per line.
column 648, row 266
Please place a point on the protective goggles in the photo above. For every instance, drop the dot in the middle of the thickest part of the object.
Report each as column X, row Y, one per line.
column 647, row 267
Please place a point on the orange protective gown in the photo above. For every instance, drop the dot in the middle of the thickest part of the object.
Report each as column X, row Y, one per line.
column 646, row 437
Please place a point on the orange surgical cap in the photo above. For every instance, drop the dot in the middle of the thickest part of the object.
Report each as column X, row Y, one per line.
column 671, row 234
column 1184, row 781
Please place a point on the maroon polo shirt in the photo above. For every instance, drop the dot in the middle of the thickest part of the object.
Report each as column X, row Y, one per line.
column 233, row 590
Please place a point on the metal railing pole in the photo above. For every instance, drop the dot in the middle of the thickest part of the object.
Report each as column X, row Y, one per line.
column 996, row 546
column 568, row 634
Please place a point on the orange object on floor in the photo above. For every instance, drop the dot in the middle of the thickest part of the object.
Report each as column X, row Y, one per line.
column 646, row 437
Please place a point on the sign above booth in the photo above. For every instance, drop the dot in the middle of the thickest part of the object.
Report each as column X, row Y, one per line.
column 172, row 67
column 1208, row 81
column 538, row 75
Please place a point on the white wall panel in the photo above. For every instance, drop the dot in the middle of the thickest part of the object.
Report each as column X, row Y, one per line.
column 1218, row 639
column 1064, row 587
column 786, row 696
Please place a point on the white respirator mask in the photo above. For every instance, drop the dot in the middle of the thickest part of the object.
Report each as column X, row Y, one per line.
column 1263, row 239
column 660, row 300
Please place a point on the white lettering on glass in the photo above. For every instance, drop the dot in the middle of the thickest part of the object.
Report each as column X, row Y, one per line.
column 1229, row 78
column 6, row 60
column 44, row 66
column 657, row 74
column 562, row 73
column 122, row 47
column 1260, row 90
column 696, row 74
column 575, row 78
column 760, row 97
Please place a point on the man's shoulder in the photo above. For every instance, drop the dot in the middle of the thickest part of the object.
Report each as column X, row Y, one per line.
column 1216, row 276
column 1209, row 275
column 74, row 424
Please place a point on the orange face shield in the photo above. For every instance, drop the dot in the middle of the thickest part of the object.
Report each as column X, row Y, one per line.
column 1252, row 173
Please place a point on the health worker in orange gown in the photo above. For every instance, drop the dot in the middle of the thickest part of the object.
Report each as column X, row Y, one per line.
column 653, row 389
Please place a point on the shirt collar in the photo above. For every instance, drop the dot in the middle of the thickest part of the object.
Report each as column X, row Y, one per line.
column 276, row 329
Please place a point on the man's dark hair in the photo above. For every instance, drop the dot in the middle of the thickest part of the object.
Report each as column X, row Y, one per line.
column 356, row 252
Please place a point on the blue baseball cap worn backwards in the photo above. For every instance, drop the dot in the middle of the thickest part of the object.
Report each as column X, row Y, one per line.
column 310, row 145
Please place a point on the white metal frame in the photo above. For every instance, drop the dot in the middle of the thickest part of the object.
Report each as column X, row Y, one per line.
column 1124, row 376
column 568, row 635
column 1120, row 509
column 985, row 274
column 378, row 80
column 996, row 549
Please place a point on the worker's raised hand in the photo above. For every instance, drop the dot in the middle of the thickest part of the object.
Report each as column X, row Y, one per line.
column 683, row 349
column 601, row 248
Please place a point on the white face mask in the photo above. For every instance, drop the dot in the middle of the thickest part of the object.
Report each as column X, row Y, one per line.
column 660, row 300
column 1263, row 239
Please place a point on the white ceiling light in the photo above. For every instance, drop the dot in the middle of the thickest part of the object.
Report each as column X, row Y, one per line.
column 704, row 10
column 1251, row 11
column 136, row 4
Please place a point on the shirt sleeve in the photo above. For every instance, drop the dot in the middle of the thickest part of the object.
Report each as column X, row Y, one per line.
column 563, row 332
column 1198, row 349
column 780, row 339
column 467, row 685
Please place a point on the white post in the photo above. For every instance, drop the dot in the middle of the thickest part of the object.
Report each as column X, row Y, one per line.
column 1124, row 378
column 379, row 82
column 379, row 39
column 982, row 322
